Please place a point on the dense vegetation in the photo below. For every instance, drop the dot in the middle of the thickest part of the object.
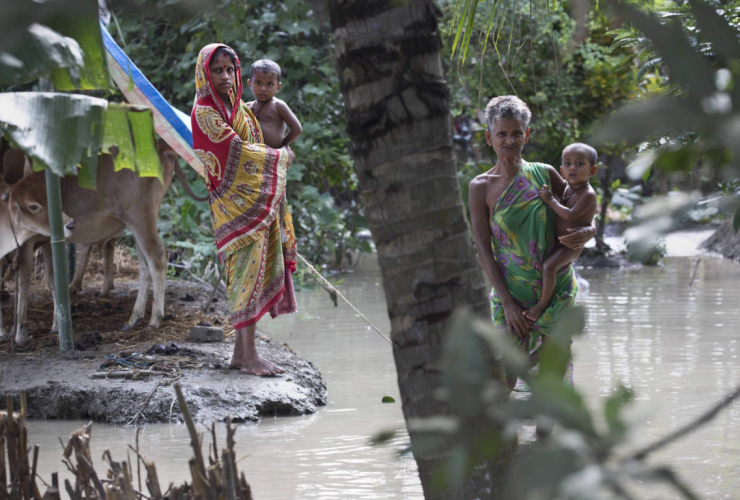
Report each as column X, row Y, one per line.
column 322, row 184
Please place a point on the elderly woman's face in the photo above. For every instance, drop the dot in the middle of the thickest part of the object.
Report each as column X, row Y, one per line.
column 508, row 137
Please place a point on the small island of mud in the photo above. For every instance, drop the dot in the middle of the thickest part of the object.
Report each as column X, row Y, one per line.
column 127, row 377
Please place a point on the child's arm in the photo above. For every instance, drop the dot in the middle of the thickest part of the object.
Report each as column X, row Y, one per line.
column 584, row 202
column 291, row 121
column 556, row 181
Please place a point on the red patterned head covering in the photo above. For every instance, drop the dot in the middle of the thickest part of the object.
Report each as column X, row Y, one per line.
column 204, row 86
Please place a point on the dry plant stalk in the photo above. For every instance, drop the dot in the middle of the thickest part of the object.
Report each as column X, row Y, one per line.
column 219, row 481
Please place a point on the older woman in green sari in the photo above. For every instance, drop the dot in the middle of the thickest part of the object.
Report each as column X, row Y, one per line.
column 515, row 232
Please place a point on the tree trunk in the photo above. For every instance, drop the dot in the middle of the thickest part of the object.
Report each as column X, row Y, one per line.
column 397, row 102
column 606, row 199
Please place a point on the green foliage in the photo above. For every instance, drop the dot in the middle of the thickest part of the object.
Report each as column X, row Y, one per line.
column 696, row 45
column 648, row 252
column 40, row 52
column 62, row 131
column 185, row 227
column 322, row 187
column 66, row 132
column 65, row 45
column 569, row 85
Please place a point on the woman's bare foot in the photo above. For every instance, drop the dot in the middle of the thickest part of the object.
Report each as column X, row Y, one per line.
column 535, row 313
column 257, row 365
column 236, row 359
column 251, row 362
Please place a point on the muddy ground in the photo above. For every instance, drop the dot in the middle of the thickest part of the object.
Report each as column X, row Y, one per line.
column 725, row 241
column 61, row 385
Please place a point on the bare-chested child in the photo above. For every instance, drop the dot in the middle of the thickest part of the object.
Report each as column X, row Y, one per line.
column 273, row 114
column 575, row 209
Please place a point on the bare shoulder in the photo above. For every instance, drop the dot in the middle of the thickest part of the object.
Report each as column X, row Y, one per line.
column 280, row 104
column 480, row 183
column 590, row 194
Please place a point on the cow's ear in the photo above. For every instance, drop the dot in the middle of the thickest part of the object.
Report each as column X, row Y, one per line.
column 15, row 164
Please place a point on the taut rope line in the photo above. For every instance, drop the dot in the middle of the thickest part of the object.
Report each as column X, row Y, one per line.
column 313, row 270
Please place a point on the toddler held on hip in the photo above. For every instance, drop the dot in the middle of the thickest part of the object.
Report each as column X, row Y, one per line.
column 575, row 209
column 273, row 114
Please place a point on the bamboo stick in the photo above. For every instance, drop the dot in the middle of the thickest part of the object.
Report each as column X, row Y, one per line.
column 194, row 441
column 227, row 459
column 152, row 481
column 3, row 465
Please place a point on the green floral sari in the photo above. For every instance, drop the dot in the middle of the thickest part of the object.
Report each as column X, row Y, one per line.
column 522, row 237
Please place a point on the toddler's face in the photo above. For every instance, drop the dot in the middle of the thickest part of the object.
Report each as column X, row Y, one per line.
column 264, row 85
column 576, row 167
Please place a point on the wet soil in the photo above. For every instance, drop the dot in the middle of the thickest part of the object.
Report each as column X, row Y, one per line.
column 61, row 385
column 725, row 241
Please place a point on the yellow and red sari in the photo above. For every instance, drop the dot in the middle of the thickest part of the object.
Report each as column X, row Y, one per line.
column 246, row 181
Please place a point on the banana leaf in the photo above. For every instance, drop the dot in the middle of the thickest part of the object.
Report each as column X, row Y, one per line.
column 36, row 41
column 64, row 132
column 40, row 51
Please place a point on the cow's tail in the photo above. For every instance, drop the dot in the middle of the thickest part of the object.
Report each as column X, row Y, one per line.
column 181, row 177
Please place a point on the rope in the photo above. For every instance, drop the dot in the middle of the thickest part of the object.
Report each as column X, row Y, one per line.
column 313, row 270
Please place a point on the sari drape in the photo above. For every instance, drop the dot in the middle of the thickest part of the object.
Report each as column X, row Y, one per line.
column 522, row 237
column 246, row 181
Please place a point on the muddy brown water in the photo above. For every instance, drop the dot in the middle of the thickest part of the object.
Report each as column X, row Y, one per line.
column 676, row 346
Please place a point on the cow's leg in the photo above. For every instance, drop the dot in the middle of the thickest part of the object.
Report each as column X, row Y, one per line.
column 25, row 270
column 82, row 260
column 109, row 249
column 145, row 280
column 3, row 334
column 49, row 275
column 153, row 254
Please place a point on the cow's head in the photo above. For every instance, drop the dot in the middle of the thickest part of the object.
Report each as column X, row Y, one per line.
column 26, row 199
column 16, row 166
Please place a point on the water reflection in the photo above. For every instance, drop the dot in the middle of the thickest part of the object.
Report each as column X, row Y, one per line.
column 675, row 345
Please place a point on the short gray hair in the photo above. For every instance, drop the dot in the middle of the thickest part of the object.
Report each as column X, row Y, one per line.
column 507, row 106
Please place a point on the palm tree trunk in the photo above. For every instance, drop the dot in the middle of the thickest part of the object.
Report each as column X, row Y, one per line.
column 397, row 102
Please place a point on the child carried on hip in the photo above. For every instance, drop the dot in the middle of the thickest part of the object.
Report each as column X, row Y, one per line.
column 575, row 209
column 273, row 114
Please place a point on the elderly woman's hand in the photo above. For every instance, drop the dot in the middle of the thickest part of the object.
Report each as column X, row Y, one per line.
column 518, row 324
column 578, row 237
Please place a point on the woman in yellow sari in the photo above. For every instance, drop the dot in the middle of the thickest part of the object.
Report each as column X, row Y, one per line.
column 246, row 181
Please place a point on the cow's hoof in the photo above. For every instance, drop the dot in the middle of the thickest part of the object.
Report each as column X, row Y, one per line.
column 4, row 337
column 126, row 328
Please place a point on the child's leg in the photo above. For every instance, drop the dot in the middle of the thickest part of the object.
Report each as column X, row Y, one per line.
column 283, row 234
column 561, row 257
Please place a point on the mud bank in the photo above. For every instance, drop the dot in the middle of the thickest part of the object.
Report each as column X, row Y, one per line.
column 60, row 386
column 725, row 241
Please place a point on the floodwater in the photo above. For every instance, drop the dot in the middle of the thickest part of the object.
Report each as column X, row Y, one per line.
column 675, row 345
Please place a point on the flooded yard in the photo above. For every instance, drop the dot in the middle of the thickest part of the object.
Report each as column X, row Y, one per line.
column 676, row 345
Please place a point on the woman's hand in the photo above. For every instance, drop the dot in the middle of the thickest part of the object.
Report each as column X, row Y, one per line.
column 546, row 194
column 518, row 323
column 291, row 157
column 577, row 237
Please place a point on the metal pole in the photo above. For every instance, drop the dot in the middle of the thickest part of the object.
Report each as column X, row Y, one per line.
column 59, row 253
